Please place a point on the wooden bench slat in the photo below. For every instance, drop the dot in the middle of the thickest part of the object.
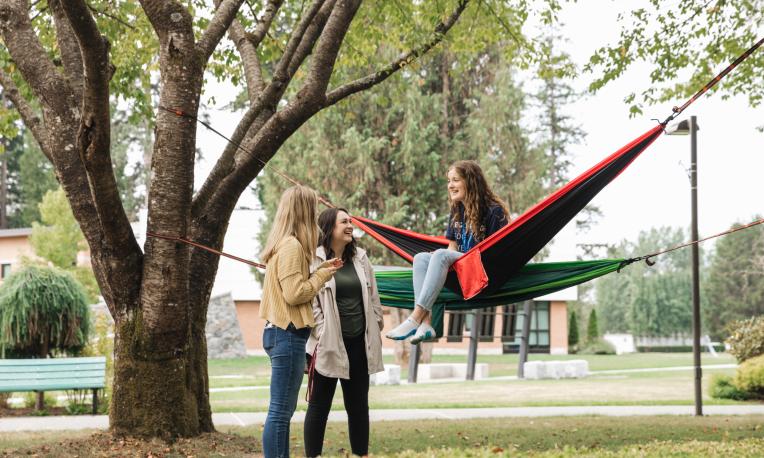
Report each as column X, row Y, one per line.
column 51, row 375
column 51, row 361
column 50, row 369
column 74, row 385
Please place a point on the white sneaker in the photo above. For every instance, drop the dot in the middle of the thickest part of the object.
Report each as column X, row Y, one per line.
column 423, row 333
column 403, row 330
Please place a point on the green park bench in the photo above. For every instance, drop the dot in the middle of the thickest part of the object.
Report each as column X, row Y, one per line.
column 54, row 374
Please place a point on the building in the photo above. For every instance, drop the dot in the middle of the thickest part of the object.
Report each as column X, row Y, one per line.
column 14, row 246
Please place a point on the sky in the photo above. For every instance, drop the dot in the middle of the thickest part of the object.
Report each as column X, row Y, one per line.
column 654, row 191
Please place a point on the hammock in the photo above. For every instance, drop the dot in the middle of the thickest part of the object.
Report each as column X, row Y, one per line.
column 532, row 280
column 488, row 266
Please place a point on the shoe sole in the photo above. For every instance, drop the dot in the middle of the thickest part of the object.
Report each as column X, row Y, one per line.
column 427, row 336
column 411, row 333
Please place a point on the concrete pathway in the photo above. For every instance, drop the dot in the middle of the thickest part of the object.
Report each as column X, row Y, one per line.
column 255, row 418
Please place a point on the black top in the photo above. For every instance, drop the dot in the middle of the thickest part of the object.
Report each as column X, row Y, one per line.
column 349, row 301
column 493, row 220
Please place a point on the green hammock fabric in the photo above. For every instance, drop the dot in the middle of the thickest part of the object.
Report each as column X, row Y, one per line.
column 534, row 280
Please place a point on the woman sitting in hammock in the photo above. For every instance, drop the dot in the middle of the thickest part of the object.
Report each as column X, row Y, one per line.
column 476, row 213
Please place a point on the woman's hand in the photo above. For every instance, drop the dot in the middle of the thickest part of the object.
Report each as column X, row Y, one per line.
column 333, row 265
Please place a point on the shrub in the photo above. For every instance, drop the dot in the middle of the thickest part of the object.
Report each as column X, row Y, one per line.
column 723, row 387
column 4, row 398
column 750, row 377
column 747, row 339
column 598, row 347
column 30, row 400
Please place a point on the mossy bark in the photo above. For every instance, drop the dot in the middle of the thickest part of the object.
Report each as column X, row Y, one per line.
column 157, row 397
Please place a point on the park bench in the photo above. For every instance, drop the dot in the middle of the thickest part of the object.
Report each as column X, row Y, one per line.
column 54, row 374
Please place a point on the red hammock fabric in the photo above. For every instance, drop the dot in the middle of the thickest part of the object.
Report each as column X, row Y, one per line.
column 490, row 263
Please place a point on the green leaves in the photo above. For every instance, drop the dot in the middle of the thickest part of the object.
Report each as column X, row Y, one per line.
column 685, row 36
column 42, row 309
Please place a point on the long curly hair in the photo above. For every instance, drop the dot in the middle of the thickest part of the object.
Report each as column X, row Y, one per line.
column 478, row 197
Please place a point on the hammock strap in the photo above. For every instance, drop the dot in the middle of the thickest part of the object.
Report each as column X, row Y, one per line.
column 206, row 248
column 650, row 262
column 712, row 83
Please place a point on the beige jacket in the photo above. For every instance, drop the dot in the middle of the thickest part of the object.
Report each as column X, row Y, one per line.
column 288, row 289
column 332, row 359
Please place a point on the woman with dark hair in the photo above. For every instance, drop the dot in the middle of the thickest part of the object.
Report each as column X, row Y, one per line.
column 346, row 342
column 476, row 213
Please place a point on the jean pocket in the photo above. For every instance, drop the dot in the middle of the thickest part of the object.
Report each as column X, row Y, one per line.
column 269, row 339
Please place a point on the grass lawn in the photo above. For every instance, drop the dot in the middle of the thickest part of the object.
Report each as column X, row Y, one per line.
column 739, row 436
column 255, row 370
column 638, row 388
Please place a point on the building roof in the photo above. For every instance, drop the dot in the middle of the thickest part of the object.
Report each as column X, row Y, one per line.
column 20, row 232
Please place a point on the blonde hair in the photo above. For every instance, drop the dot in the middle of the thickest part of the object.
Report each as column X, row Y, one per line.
column 295, row 216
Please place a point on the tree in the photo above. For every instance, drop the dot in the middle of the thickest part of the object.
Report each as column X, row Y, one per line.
column 734, row 286
column 42, row 310
column 57, row 238
column 698, row 37
column 61, row 61
column 648, row 300
column 30, row 176
column 592, row 330
column 573, row 330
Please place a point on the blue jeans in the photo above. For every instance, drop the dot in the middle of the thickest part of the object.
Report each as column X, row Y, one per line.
column 286, row 349
column 430, row 272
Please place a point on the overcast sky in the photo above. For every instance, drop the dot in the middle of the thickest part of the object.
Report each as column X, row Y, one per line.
column 654, row 191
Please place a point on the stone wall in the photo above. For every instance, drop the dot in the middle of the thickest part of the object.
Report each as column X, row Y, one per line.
column 224, row 338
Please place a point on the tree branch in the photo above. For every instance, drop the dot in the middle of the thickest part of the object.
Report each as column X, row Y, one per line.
column 70, row 50
column 32, row 61
column 264, row 23
column 28, row 115
column 94, row 136
column 249, row 58
column 265, row 102
column 328, row 47
column 224, row 15
column 404, row 59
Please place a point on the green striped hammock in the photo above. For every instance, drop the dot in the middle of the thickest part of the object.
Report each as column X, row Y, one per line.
column 533, row 280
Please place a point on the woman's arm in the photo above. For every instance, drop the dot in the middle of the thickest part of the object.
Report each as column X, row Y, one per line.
column 295, row 287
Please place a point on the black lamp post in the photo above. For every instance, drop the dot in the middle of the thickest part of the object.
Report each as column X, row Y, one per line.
column 685, row 127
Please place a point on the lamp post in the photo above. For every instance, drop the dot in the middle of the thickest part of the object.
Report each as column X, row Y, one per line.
column 685, row 127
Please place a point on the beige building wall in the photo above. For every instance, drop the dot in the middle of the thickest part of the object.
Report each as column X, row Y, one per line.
column 558, row 328
column 12, row 249
column 248, row 313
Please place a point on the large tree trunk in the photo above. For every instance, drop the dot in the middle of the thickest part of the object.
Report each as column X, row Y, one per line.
column 157, row 397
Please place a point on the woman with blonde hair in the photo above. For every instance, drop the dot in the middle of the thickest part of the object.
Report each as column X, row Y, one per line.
column 286, row 305
column 476, row 213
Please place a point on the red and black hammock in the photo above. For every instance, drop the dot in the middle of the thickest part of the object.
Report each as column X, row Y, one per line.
column 489, row 264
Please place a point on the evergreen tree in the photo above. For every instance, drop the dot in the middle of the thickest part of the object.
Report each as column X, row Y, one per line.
column 592, row 331
column 573, row 330
column 734, row 289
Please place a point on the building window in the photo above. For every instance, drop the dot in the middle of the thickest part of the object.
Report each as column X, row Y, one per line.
column 460, row 322
column 455, row 326
column 538, row 340
column 5, row 270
